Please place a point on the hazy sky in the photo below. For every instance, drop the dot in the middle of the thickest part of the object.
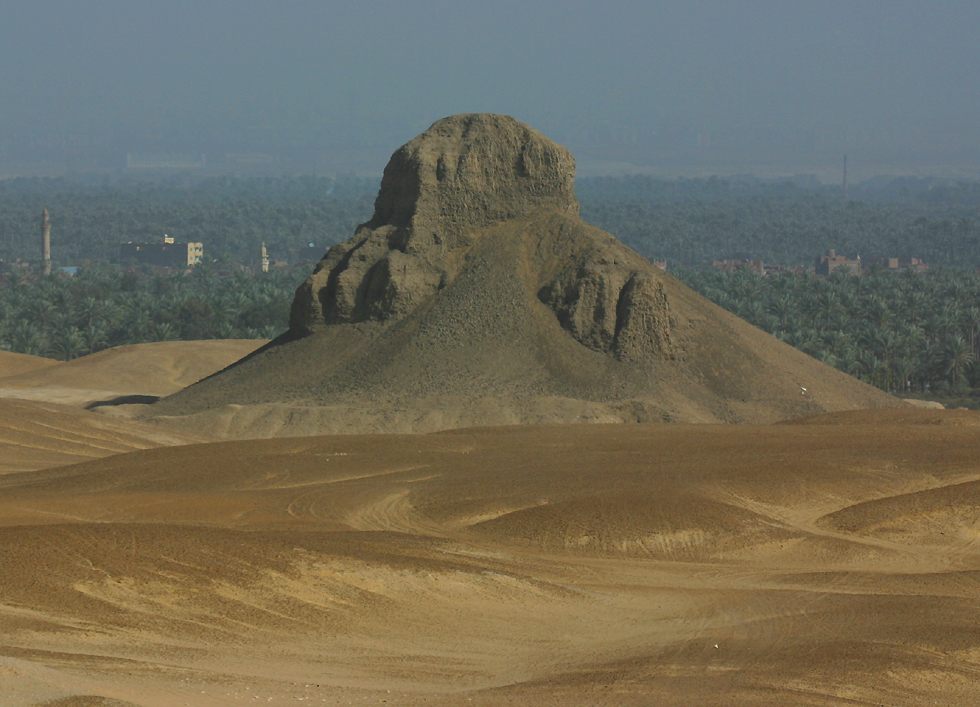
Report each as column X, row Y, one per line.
column 675, row 85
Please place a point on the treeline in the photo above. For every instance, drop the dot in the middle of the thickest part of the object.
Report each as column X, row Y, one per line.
column 689, row 222
column 692, row 222
column 67, row 317
column 231, row 216
column 903, row 333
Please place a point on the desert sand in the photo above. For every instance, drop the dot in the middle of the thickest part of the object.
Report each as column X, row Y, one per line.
column 13, row 364
column 833, row 559
column 599, row 564
column 820, row 561
column 153, row 555
column 43, row 422
column 139, row 371
column 38, row 435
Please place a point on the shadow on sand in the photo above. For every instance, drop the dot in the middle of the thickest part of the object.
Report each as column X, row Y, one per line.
column 123, row 400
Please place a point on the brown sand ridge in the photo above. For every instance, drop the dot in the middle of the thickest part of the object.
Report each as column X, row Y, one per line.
column 597, row 564
column 476, row 295
column 136, row 370
column 12, row 364
column 42, row 425
column 38, row 435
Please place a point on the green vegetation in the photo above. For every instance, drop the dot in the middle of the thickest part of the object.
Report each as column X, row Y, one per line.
column 910, row 334
column 904, row 333
column 67, row 317
column 692, row 222
column 230, row 216
column 688, row 222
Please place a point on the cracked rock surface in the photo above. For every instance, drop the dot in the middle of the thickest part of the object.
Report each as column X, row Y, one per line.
column 475, row 295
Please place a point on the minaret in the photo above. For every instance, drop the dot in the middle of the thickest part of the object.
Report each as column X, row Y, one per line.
column 264, row 258
column 45, row 243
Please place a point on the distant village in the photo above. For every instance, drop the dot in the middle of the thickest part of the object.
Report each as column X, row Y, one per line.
column 824, row 266
column 827, row 264
column 170, row 254
column 166, row 253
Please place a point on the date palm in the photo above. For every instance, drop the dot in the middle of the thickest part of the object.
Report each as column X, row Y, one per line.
column 24, row 337
column 959, row 357
column 68, row 343
column 95, row 336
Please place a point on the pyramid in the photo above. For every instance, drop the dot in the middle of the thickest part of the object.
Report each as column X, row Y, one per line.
column 476, row 295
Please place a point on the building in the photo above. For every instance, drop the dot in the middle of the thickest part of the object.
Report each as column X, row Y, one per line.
column 831, row 262
column 264, row 258
column 898, row 264
column 660, row 264
column 45, row 243
column 166, row 253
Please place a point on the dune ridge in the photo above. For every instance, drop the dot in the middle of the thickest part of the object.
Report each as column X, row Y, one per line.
column 606, row 563
column 147, row 370
column 510, row 557
column 13, row 364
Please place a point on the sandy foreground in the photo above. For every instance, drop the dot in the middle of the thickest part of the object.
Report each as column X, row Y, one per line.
column 831, row 562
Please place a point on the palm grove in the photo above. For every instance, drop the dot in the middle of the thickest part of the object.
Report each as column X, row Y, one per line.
column 901, row 332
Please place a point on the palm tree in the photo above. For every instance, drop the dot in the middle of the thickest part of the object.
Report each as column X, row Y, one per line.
column 68, row 343
column 163, row 331
column 871, row 368
column 782, row 308
column 973, row 316
column 959, row 358
column 41, row 311
column 95, row 337
column 24, row 337
column 88, row 311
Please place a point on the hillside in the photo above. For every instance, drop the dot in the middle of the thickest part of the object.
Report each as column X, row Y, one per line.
column 476, row 295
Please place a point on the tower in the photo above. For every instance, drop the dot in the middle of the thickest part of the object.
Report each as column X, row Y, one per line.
column 264, row 255
column 45, row 243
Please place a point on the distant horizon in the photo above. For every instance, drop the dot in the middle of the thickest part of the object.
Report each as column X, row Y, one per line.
column 585, row 168
column 670, row 87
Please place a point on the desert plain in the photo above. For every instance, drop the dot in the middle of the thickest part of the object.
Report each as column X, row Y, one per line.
column 828, row 560
column 738, row 523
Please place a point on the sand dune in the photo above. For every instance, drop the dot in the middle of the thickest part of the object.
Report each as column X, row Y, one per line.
column 36, row 435
column 609, row 564
column 42, row 426
column 13, row 364
column 832, row 560
column 149, row 370
column 895, row 416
